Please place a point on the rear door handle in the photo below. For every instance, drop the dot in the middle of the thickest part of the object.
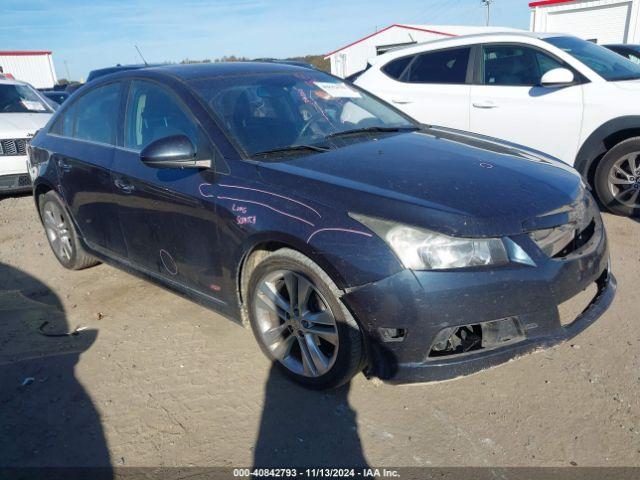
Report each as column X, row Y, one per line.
column 401, row 101
column 486, row 104
column 64, row 165
column 124, row 185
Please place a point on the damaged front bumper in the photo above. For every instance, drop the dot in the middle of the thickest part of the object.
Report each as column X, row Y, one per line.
column 501, row 313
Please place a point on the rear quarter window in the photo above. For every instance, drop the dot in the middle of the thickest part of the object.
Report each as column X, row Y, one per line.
column 395, row 68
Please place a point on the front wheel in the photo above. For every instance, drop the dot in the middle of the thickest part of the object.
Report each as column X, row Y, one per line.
column 300, row 323
column 617, row 179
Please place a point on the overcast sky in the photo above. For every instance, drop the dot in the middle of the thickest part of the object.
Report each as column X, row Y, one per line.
column 96, row 33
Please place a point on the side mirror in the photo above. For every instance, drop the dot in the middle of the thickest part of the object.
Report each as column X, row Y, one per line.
column 557, row 77
column 175, row 151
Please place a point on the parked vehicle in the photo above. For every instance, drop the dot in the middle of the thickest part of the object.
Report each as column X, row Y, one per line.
column 93, row 74
column 345, row 234
column 72, row 87
column 627, row 50
column 23, row 110
column 58, row 96
column 568, row 97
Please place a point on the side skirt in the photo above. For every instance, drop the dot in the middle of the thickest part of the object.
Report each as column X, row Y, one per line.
column 231, row 312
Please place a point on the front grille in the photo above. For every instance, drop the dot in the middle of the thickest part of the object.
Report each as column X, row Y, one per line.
column 579, row 240
column 24, row 181
column 582, row 220
column 13, row 146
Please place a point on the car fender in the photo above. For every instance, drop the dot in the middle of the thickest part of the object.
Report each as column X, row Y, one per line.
column 597, row 143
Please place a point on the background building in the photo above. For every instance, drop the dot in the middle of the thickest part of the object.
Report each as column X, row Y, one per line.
column 352, row 58
column 602, row 21
column 34, row 67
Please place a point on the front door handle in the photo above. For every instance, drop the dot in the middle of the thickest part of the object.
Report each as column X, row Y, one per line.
column 401, row 101
column 64, row 165
column 124, row 185
column 485, row 105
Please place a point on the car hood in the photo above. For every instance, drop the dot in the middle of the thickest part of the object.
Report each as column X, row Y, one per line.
column 444, row 180
column 21, row 125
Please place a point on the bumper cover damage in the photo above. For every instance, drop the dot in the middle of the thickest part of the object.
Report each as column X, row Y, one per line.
column 403, row 316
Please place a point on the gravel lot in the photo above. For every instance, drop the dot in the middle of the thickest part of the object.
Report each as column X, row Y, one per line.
column 155, row 380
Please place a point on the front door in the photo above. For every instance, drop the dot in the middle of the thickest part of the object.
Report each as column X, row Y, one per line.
column 170, row 228
column 510, row 103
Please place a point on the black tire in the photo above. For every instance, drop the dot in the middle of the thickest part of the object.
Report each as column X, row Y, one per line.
column 75, row 257
column 604, row 170
column 350, row 351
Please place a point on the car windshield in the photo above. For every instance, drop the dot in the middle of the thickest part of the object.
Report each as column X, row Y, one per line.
column 21, row 99
column 609, row 65
column 302, row 111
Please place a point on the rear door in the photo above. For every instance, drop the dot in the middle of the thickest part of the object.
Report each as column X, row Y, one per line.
column 169, row 230
column 83, row 140
column 432, row 87
column 509, row 102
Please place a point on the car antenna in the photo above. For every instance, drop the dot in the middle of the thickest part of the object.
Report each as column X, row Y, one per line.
column 140, row 53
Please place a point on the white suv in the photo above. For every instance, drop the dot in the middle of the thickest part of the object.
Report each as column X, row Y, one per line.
column 556, row 93
column 23, row 110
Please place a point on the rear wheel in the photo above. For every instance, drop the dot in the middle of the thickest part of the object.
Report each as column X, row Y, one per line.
column 300, row 323
column 61, row 233
column 617, row 179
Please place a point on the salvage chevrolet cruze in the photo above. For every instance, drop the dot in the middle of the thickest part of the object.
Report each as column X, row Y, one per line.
column 346, row 235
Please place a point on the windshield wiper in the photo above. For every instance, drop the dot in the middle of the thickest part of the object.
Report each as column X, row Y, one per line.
column 291, row 149
column 360, row 131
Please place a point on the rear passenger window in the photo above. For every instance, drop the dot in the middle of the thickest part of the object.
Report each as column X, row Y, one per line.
column 445, row 66
column 96, row 115
column 395, row 68
column 152, row 114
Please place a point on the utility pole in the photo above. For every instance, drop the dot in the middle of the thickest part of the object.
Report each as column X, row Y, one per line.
column 66, row 67
column 487, row 4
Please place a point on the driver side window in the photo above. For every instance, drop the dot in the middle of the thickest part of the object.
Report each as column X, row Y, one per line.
column 152, row 114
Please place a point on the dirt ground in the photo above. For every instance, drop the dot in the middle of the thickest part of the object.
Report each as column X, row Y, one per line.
column 155, row 380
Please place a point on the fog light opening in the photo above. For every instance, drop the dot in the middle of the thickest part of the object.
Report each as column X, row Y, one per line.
column 392, row 334
column 476, row 336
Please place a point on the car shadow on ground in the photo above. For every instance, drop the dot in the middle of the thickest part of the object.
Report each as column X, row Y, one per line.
column 48, row 420
column 306, row 428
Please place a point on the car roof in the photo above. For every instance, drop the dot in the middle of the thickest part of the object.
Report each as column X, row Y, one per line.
column 196, row 71
column 100, row 72
column 461, row 40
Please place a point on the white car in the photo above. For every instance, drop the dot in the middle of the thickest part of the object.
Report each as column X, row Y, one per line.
column 23, row 110
column 558, row 94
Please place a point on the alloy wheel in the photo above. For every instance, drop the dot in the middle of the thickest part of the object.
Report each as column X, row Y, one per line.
column 58, row 233
column 624, row 180
column 295, row 323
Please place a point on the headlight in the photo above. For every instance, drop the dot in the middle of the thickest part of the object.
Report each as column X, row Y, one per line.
column 421, row 249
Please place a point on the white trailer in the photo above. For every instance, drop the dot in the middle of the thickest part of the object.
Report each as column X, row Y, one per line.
column 34, row 67
column 601, row 21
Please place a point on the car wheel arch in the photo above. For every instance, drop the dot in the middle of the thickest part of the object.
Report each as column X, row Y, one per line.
column 601, row 140
column 259, row 250
column 259, row 247
column 39, row 190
